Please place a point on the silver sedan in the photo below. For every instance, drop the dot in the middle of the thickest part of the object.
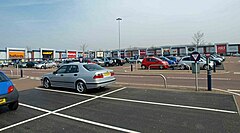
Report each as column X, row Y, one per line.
column 80, row 76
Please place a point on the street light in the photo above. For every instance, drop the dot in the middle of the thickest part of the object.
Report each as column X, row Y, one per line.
column 119, row 19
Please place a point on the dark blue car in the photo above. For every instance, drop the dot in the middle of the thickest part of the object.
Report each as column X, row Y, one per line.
column 8, row 93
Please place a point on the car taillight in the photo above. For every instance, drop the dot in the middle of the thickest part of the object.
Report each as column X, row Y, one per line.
column 10, row 89
column 112, row 74
column 98, row 76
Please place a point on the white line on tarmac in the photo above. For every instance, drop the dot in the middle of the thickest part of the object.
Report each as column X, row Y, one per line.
column 233, row 90
column 23, row 122
column 78, row 119
column 172, row 105
column 236, row 72
column 97, row 123
column 227, row 91
column 155, row 103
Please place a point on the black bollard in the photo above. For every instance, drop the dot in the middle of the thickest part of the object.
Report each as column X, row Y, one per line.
column 209, row 78
column 21, row 72
column 131, row 67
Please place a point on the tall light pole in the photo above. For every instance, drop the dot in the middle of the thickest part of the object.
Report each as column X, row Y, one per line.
column 119, row 19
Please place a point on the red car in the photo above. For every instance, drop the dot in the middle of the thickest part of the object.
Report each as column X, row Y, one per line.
column 153, row 62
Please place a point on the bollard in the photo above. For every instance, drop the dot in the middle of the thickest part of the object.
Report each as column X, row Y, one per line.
column 131, row 67
column 21, row 72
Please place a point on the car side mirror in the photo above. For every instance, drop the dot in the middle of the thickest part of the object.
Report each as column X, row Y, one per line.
column 54, row 72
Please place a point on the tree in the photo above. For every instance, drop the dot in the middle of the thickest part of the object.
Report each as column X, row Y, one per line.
column 83, row 47
column 198, row 39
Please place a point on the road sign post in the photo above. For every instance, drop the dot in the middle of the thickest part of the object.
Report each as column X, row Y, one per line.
column 195, row 56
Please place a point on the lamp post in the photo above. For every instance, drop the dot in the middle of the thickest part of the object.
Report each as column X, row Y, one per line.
column 119, row 19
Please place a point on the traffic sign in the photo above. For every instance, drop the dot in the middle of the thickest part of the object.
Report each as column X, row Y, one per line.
column 195, row 56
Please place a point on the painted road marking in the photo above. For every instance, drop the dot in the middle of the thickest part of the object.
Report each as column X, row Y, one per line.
column 161, row 104
column 236, row 73
column 234, row 90
column 70, row 117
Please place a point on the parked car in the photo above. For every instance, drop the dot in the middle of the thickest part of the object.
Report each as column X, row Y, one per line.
column 100, row 62
column 66, row 62
column 139, row 60
column 45, row 64
column 119, row 61
column 132, row 60
column 218, row 56
column 8, row 93
column 31, row 64
column 174, row 58
column 170, row 62
column 4, row 64
column 217, row 61
column 79, row 76
column 186, row 62
column 154, row 62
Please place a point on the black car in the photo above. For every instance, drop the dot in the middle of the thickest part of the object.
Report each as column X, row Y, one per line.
column 119, row 61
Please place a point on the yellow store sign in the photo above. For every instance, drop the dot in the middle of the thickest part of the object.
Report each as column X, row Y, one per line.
column 47, row 53
column 19, row 54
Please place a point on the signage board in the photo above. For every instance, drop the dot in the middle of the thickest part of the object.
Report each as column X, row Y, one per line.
column 195, row 56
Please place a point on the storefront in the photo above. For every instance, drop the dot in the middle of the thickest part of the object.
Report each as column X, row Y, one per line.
column 221, row 49
column 47, row 54
column 16, row 53
column 166, row 51
column 100, row 54
column 174, row 51
column 232, row 49
column 150, row 52
column 71, row 54
column 3, row 54
column 143, row 53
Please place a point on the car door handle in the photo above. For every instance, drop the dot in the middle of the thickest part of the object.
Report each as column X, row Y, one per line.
column 75, row 75
column 61, row 75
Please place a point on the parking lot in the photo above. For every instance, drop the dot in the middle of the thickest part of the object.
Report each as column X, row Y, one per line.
column 121, row 109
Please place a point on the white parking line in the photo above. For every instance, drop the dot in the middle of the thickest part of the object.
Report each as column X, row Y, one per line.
column 154, row 103
column 234, row 90
column 70, row 117
column 172, row 105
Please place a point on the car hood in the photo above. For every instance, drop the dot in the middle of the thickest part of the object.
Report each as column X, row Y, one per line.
column 4, row 87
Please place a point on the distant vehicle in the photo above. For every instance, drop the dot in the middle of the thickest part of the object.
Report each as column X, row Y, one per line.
column 139, row 60
column 66, row 62
column 44, row 65
column 174, row 58
column 186, row 62
column 119, row 61
column 4, row 64
column 107, row 62
column 8, row 93
column 132, row 60
column 154, row 62
column 236, row 55
column 31, row 64
column 218, row 56
column 218, row 61
column 79, row 76
column 100, row 62
column 170, row 62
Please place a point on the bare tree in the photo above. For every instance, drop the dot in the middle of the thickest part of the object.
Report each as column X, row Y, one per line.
column 83, row 47
column 198, row 39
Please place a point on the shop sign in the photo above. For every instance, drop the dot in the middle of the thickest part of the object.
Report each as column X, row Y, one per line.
column 232, row 48
column 16, row 54
column 71, row 54
column 221, row 49
column 47, row 53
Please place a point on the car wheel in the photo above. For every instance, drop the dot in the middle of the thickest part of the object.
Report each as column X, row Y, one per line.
column 161, row 67
column 143, row 67
column 182, row 67
column 42, row 67
column 13, row 106
column 205, row 67
column 46, row 83
column 81, row 87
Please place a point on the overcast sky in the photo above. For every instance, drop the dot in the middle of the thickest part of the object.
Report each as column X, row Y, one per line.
column 66, row 24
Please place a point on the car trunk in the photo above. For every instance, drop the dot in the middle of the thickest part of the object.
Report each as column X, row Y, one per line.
column 4, row 87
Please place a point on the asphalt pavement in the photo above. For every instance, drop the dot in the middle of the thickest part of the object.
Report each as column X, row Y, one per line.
column 121, row 109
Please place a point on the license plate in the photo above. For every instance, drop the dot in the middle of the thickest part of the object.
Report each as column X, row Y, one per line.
column 2, row 100
column 107, row 74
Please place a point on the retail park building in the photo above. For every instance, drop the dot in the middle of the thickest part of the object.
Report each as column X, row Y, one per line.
column 179, row 50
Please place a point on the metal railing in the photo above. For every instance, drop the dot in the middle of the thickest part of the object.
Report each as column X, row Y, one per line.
column 165, row 80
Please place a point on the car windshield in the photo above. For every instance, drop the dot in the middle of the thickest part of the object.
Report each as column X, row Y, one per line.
column 3, row 78
column 93, row 67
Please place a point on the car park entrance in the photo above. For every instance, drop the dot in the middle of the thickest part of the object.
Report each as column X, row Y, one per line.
column 121, row 109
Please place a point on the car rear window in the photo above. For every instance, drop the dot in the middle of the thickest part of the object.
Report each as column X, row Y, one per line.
column 93, row 67
column 3, row 78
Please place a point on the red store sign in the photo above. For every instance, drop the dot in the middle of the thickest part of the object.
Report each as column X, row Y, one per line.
column 71, row 54
column 221, row 49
